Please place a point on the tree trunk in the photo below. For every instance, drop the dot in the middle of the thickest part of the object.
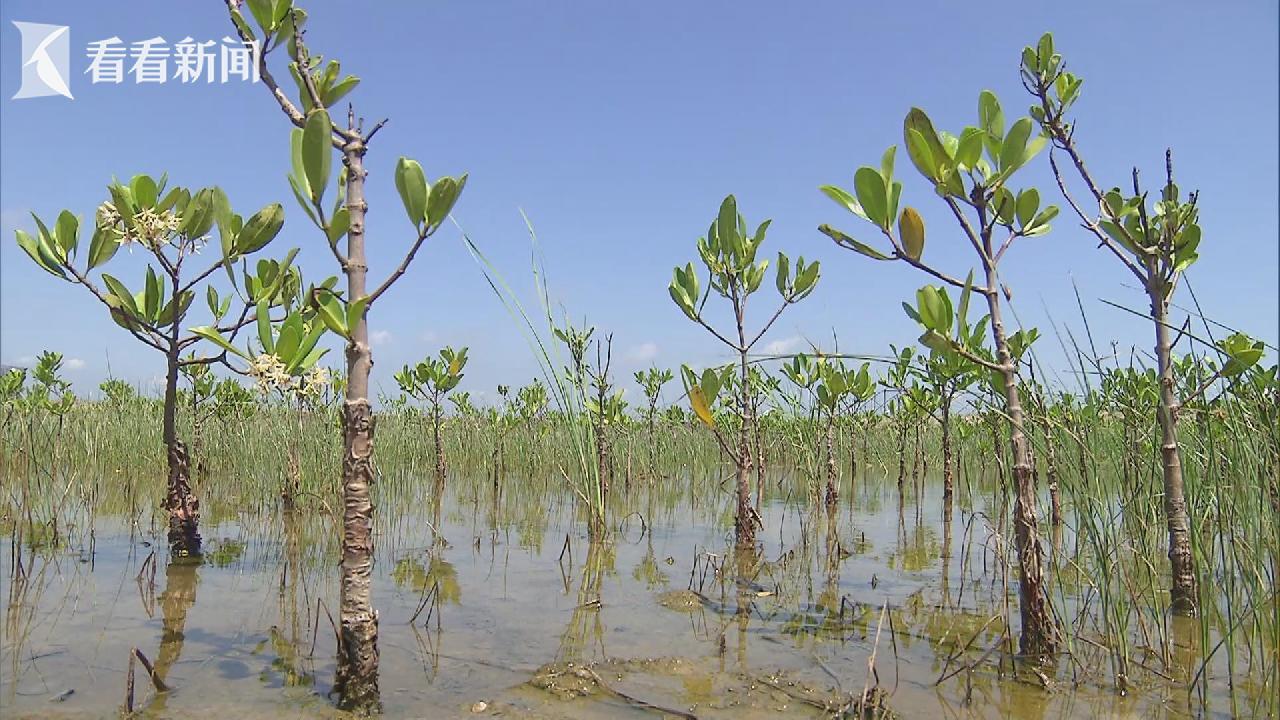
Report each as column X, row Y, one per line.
column 948, row 478
column 832, row 494
column 745, row 522
column 1039, row 634
column 435, row 432
column 1051, row 469
column 902, row 454
column 1181, row 560
column 916, row 458
column 180, row 500
column 357, row 673
column 759, row 447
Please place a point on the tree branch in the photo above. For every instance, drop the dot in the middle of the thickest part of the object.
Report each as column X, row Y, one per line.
column 404, row 264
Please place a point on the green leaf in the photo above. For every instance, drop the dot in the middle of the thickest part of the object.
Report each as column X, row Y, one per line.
column 844, row 199
column 317, row 152
column 1015, row 145
column 44, row 258
column 1027, row 204
column 299, row 174
column 48, row 245
column 338, row 225
column 939, row 161
column 124, row 205
column 121, row 294
column 355, row 312
column 886, row 164
column 726, row 224
column 198, row 216
column 969, row 148
column 921, row 156
column 340, row 90
column 991, row 119
column 411, row 183
column 211, row 334
column 846, row 241
column 962, row 311
column 681, row 299
column 238, row 20
column 261, row 229
column 911, row 313
column 330, row 312
column 806, row 278
column 441, row 199
column 871, row 192
column 1040, row 223
column 264, row 14
column 102, row 247
column 306, row 349
column 144, row 191
column 290, row 338
column 152, row 295
column 170, row 314
column 934, row 308
column 311, row 359
column 264, row 326
column 67, row 234
column 935, row 341
column 301, row 194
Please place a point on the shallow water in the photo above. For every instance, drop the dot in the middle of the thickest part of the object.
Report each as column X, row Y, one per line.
column 514, row 594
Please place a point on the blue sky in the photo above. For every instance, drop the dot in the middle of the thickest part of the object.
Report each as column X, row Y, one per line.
column 618, row 128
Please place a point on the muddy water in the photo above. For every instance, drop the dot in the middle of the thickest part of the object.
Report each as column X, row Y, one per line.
column 516, row 615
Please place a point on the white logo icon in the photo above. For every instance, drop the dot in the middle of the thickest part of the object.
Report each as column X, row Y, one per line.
column 45, row 60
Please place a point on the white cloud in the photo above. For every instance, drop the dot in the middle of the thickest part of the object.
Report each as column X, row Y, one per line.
column 642, row 353
column 380, row 337
column 74, row 364
column 785, row 346
column 429, row 336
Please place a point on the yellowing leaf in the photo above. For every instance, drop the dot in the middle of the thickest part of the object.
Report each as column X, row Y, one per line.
column 699, row 404
column 911, row 230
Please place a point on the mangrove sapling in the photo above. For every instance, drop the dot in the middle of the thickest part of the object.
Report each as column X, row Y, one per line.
column 832, row 385
column 974, row 190
column 44, row 404
column 430, row 381
column 896, row 379
column 427, row 205
column 760, row 385
column 729, row 254
column 576, row 342
column 918, row 404
column 1156, row 244
column 171, row 228
column 804, row 371
column 282, row 359
column 606, row 410
column 651, row 382
column 947, row 374
column 1039, row 411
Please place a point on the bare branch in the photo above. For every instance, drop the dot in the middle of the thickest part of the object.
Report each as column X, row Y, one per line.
column 404, row 264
